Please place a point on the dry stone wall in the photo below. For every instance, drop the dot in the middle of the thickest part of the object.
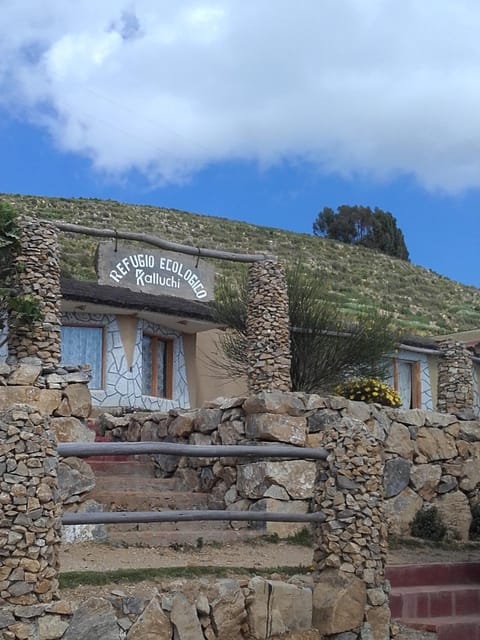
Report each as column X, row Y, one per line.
column 431, row 458
column 37, row 274
column 268, row 328
column 455, row 379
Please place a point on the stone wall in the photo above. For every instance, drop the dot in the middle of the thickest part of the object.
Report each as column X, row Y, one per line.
column 455, row 379
column 37, row 274
column 268, row 328
column 432, row 459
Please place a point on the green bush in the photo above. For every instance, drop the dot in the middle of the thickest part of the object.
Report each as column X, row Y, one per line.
column 474, row 533
column 369, row 390
column 428, row 525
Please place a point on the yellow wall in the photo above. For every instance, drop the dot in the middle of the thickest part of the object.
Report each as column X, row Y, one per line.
column 210, row 382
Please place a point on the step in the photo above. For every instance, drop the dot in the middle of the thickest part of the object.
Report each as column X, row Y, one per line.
column 448, row 627
column 149, row 500
column 127, row 527
column 135, row 483
column 183, row 537
column 435, row 600
column 121, row 465
column 411, row 575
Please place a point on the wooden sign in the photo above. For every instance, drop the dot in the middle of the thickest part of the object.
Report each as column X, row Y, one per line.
column 154, row 271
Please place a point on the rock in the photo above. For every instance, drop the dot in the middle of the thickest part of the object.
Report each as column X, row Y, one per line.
column 323, row 419
column 358, row 410
column 470, row 430
column 413, row 417
column 435, row 444
column 399, row 441
column 92, row 620
column 85, row 532
column 435, row 419
column 425, row 479
column 396, row 476
column 75, row 477
column 471, row 475
column 338, row 602
column 228, row 610
column 185, row 620
column 153, row 624
column 277, row 607
column 79, row 399
column 400, row 511
column 277, row 428
column 454, row 510
column 276, row 402
column 6, row 618
column 207, row 420
column 25, row 373
column 51, row 627
column 181, row 426
column 379, row 620
column 297, row 477
column 447, row 483
column 70, row 429
column 281, row 529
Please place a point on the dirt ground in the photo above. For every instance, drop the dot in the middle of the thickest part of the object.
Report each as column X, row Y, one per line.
column 258, row 554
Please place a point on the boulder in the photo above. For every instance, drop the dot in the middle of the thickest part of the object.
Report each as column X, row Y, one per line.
column 435, row 444
column 297, row 477
column 277, row 607
column 399, row 441
column 75, row 477
column 396, row 476
column 339, row 601
column 228, row 609
column 400, row 511
column 277, row 428
column 425, row 479
column 79, row 399
column 185, row 620
column 454, row 510
column 70, row 429
column 26, row 372
column 92, row 620
column 153, row 624
column 278, row 402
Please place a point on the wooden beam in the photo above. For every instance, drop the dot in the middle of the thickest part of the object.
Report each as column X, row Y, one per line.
column 155, row 241
column 115, row 517
column 87, row 450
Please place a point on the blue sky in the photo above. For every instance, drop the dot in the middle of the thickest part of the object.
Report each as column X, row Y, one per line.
column 263, row 112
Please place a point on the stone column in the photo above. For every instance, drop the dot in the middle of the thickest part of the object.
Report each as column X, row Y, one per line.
column 455, row 379
column 350, row 547
column 30, row 518
column 268, row 328
column 37, row 274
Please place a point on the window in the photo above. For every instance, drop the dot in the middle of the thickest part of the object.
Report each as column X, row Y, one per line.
column 157, row 366
column 407, row 381
column 84, row 345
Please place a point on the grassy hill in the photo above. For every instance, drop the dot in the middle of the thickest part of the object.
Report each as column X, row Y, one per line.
column 422, row 301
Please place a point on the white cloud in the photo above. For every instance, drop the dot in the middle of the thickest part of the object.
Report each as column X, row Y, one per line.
column 373, row 86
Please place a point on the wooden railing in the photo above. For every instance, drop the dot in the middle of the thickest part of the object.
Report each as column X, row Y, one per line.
column 87, row 450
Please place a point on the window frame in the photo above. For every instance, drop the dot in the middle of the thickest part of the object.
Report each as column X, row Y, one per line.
column 168, row 365
column 103, row 367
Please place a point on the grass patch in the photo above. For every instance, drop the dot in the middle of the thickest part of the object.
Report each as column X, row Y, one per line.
column 73, row 579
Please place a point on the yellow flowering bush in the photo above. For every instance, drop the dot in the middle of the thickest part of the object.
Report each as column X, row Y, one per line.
column 369, row 390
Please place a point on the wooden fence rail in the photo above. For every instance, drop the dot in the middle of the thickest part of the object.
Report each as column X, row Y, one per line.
column 87, row 450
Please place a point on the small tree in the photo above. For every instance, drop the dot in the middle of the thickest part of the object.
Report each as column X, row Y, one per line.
column 375, row 229
column 326, row 346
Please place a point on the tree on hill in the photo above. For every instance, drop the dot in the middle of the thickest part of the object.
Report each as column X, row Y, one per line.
column 327, row 347
column 359, row 225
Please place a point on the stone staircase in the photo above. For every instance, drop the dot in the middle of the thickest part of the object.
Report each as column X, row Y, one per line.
column 443, row 598
column 128, row 483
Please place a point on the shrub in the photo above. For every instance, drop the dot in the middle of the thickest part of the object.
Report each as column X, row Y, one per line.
column 428, row 525
column 369, row 390
column 474, row 533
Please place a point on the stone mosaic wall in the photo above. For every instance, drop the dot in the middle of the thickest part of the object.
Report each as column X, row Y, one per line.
column 455, row 379
column 37, row 274
column 268, row 328
column 123, row 384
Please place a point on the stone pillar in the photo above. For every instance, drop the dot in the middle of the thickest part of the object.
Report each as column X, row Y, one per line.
column 350, row 547
column 455, row 379
column 30, row 518
column 37, row 274
column 268, row 328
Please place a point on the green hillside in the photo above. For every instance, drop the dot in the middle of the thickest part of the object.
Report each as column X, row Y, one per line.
column 422, row 302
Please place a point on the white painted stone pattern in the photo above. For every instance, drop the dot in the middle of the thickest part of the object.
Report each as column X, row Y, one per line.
column 123, row 385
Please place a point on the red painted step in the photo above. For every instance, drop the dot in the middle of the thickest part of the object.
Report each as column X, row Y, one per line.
column 444, row 598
